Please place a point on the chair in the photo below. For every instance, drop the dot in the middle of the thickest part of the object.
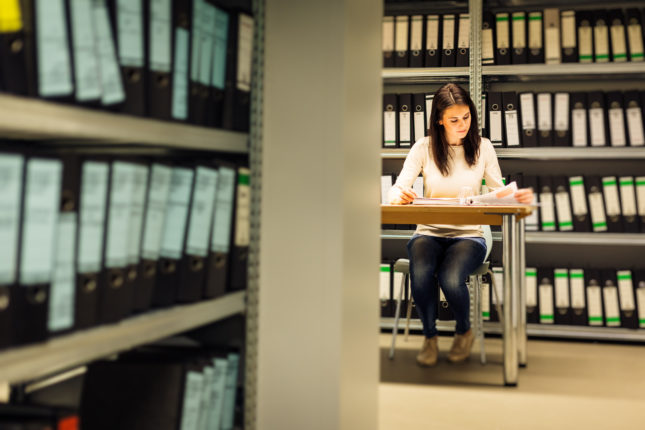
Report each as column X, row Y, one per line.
column 402, row 265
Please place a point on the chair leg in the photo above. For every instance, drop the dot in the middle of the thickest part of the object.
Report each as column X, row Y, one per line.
column 397, row 315
column 480, row 321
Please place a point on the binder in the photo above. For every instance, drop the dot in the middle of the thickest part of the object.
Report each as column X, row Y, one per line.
column 511, row 125
column 405, row 120
column 547, row 209
column 532, row 310
column 569, row 43
column 463, row 41
column 616, row 118
column 498, row 274
column 612, row 204
column 137, row 279
column 429, row 98
column 390, row 111
column 563, row 203
column 640, row 200
column 502, row 39
column 579, row 204
column 482, row 119
column 639, row 284
column 432, row 56
column 217, row 89
column 173, row 236
column 192, row 268
column 597, row 128
column 16, row 49
column 552, row 44
column 585, row 22
column 221, row 232
column 595, row 315
column 11, row 194
column 241, row 231
column 536, row 44
column 416, row 41
column 94, row 188
column 519, row 54
column 531, row 222
column 635, row 34
column 610, row 300
column 448, row 54
column 419, row 120
column 618, row 41
column 488, row 38
column 562, row 133
column 84, row 54
column 200, row 52
column 601, row 36
column 402, row 36
column 385, row 285
column 155, row 213
column 545, row 300
column 579, row 135
column 388, row 41
column 495, row 118
column 128, row 27
column 527, row 111
column 444, row 312
column 181, row 61
column 628, row 313
column 563, row 311
column 596, row 204
column 634, row 114
column 485, row 297
column 30, row 298
column 113, row 91
column 578, row 302
column 545, row 119
column 628, row 204
column 158, row 73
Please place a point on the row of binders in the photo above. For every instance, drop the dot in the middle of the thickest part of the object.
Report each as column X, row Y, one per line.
column 528, row 119
column 37, row 417
column 183, row 60
column 563, row 296
column 91, row 239
column 550, row 36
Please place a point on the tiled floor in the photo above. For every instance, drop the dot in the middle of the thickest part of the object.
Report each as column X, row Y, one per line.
column 566, row 385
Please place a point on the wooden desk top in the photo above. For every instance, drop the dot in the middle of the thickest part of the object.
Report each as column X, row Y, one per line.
column 449, row 214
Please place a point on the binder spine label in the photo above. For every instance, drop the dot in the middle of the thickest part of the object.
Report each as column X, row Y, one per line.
column 195, row 35
column 568, row 24
column 137, row 207
column 512, row 128
column 404, row 129
column 610, row 191
column 181, row 182
column 626, row 290
column 401, row 41
column 528, row 111
column 109, row 69
column 578, row 197
column 61, row 303
column 54, row 63
column 40, row 219
column 463, row 39
column 388, row 34
column 502, row 31
column 579, row 127
column 612, row 311
column 160, row 34
column 429, row 99
column 546, row 304
column 496, row 127
column 389, row 128
column 640, row 295
column 243, row 209
column 229, row 393
column 627, row 196
column 386, row 185
column 217, row 394
column 545, row 116
column 594, row 305
column 552, row 51
column 562, row 111
column 119, row 215
column 635, row 35
column 245, row 53
column 223, row 218
column 532, row 223
column 547, row 212
column 94, row 190
column 11, row 168
column 535, row 30
column 531, row 287
column 519, row 30
column 201, row 214
column 488, row 49
column 192, row 400
column 617, row 127
column 448, row 32
column 384, row 290
column 635, row 126
column 206, row 398
column 180, row 75
column 86, row 65
column 561, row 288
column 585, row 44
column 221, row 43
column 481, row 115
column 597, row 126
column 432, row 33
column 10, row 16
column 206, row 43
column 597, row 208
column 130, row 32
column 577, row 286
column 419, row 125
column 416, row 34
column 485, row 300
column 156, row 211
column 618, row 43
column 563, row 208
column 498, row 274
column 601, row 43
column 640, row 194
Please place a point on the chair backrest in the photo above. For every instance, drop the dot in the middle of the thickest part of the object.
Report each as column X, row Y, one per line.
column 488, row 237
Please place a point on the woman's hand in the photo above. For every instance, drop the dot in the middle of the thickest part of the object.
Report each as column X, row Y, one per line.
column 524, row 195
column 402, row 197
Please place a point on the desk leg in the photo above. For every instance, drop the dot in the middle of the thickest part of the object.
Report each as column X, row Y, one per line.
column 509, row 330
column 521, row 332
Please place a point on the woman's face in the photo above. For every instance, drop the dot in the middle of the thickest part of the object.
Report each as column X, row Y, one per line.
column 456, row 123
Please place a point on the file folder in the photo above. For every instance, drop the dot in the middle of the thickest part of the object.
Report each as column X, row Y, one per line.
column 241, row 231
column 628, row 204
column 579, row 204
column 569, row 42
column 237, row 104
column 640, row 200
column 416, row 41
column 159, row 59
column 552, row 44
column 95, row 175
column 596, row 204
column 448, row 55
column 495, row 118
column 419, row 120
column 634, row 114
column 527, row 111
column 432, row 50
column 597, row 128
column 385, row 284
column 628, row 313
column 618, row 41
column 390, row 113
column 215, row 106
column 610, row 298
column 11, row 194
column 388, row 41
column 405, row 120
column 547, row 207
column 113, row 91
column 532, row 310
column 511, row 123
column 585, row 22
column 488, row 38
column 579, row 135
column 136, row 277
column 594, row 298
column 502, row 39
column 545, row 300
column 635, row 34
column 545, row 119
column 562, row 300
column 519, row 54
column 616, row 118
column 612, row 204
column 601, row 37
column 532, row 222
column 536, row 43
column 88, row 89
column 639, row 284
column 195, row 255
column 463, row 41
column 563, row 203
column 16, row 49
column 562, row 133
column 30, row 297
column 181, row 61
column 578, row 302
column 402, row 37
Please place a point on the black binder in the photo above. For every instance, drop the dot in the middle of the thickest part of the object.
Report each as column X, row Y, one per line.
column 84, row 54
column 578, row 302
column 181, row 61
column 419, row 121
column 552, row 36
column 562, row 314
column 405, row 120
column 585, row 24
column 634, row 114
column 579, row 207
column 612, row 204
column 519, row 53
column 561, row 116
column 546, row 293
column 601, row 36
column 579, row 127
column 617, row 36
column 596, row 201
column 628, row 309
column 640, row 199
column 215, row 105
column 610, row 296
column 390, row 119
column 113, row 92
column 449, row 36
column 444, row 312
column 527, row 111
column 416, row 41
column 488, row 38
column 495, row 121
column 536, row 39
column 532, row 307
column 616, row 117
column 628, row 204
column 547, row 204
column 198, row 95
column 639, row 290
column 241, row 234
column 568, row 34
column 388, row 41
column 502, row 39
column 16, row 54
column 402, row 40
column 545, row 119
column 432, row 57
column 158, row 73
column 511, row 119
column 597, row 118
column 635, row 34
column 237, row 100
column 463, row 41
column 593, row 285
column 563, row 203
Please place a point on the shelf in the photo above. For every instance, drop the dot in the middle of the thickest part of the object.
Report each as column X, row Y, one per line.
column 31, row 362
column 567, row 71
column 424, row 75
column 546, row 153
column 26, row 118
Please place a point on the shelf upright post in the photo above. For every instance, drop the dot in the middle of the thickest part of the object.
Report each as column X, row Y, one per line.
column 475, row 63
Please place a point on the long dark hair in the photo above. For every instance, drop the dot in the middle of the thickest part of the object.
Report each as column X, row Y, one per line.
column 446, row 96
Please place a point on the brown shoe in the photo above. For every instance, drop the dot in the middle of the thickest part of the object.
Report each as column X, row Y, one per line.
column 429, row 352
column 460, row 349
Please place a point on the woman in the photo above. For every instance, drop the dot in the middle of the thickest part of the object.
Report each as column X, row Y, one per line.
column 451, row 157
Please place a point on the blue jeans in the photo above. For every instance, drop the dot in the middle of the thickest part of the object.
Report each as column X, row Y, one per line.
column 448, row 261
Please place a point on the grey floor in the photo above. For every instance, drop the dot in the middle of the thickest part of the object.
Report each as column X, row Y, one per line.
column 566, row 385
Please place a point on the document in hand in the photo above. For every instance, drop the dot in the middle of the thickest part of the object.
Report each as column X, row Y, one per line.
column 502, row 196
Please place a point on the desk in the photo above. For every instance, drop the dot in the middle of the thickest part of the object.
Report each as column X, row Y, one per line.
column 511, row 218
